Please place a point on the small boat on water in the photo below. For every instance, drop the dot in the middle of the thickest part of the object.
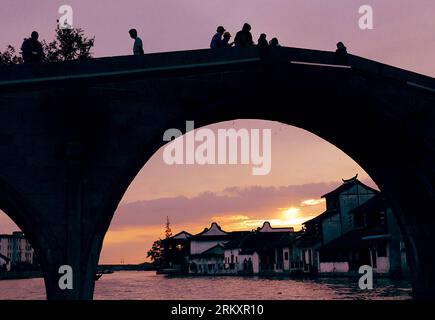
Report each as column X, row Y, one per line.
column 170, row 271
column 99, row 274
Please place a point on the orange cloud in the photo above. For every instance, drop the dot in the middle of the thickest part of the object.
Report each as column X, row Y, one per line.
column 312, row 202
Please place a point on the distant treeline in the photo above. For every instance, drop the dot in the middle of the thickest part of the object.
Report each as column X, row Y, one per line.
column 127, row 267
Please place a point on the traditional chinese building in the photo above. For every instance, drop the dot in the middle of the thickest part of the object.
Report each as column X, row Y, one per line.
column 266, row 250
column 358, row 228
column 374, row 240
column 176, row 250
column 15, row 251
column 216, row 252
column 207, row 250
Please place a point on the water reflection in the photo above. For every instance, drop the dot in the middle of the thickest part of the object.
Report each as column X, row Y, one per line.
column 148, row 286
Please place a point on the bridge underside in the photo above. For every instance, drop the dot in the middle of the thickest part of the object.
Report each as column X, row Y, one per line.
column 73, row 141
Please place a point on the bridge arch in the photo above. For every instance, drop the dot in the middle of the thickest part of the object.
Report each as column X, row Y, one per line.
column 16, row 206
column 220, row 112
column 382, row 117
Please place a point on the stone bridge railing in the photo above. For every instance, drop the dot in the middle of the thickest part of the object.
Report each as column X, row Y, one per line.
column 25, row 75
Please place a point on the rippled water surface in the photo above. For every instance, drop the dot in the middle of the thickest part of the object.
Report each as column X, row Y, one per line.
column 147, row 285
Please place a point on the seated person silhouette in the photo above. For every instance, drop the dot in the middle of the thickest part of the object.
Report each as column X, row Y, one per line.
column 341, row 55
column 32, row 50
column 216, row 41
column 262, row 41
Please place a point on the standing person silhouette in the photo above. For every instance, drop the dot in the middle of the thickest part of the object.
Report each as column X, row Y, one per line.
column 138, row 44
column 32, row 50
column 244, row 37
column 216, row 41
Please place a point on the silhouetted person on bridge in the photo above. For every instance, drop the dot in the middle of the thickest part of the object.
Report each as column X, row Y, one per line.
column 32, row 50
column 138, row 44
column 216, row 41
column 341, row 54
column 226, row 41
column 274, row 43
column 262, row 41
column 244, row 37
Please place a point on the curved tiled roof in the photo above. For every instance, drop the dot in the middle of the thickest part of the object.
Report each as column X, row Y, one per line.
column 347, row 184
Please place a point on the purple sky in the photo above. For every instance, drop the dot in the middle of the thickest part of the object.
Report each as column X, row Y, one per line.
column 303, row 165
column 403, row 34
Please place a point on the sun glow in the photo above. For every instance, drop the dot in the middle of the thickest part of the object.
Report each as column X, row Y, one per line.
column 290, row 213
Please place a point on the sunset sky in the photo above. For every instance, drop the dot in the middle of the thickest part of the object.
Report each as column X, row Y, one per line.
column 303, row 166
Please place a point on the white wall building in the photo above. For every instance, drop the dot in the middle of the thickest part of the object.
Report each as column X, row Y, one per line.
column 16, row 248
column 207, row 250
column 208, row 238
column 266, row 249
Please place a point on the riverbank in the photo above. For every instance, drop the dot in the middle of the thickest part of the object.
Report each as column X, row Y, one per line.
column 16, row 275
column 288, row 275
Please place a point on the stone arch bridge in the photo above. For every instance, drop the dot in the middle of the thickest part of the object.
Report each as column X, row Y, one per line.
column 74, row 135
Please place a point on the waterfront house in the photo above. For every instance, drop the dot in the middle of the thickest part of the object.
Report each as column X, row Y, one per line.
column 307, row 244
column 266, row 250
column 209, row 262
column 17, row 249
column 333, row 223
column 5, row 263
column 358, row 228
column 206, row 249
column 337, row 220
column 217, row 252
column 176, row 250
column 374, row 240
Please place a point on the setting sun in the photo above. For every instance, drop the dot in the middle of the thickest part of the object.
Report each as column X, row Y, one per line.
column 290, row 213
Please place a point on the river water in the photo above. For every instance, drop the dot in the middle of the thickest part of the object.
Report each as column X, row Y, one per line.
column 146, row 285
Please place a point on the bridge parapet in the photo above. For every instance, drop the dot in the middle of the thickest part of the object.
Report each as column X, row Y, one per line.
column 13, row 76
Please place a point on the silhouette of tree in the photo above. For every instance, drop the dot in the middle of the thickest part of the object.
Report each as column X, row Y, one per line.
column 168, row 231
column 69, row 44
column 9, row 56
column 156, row 253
